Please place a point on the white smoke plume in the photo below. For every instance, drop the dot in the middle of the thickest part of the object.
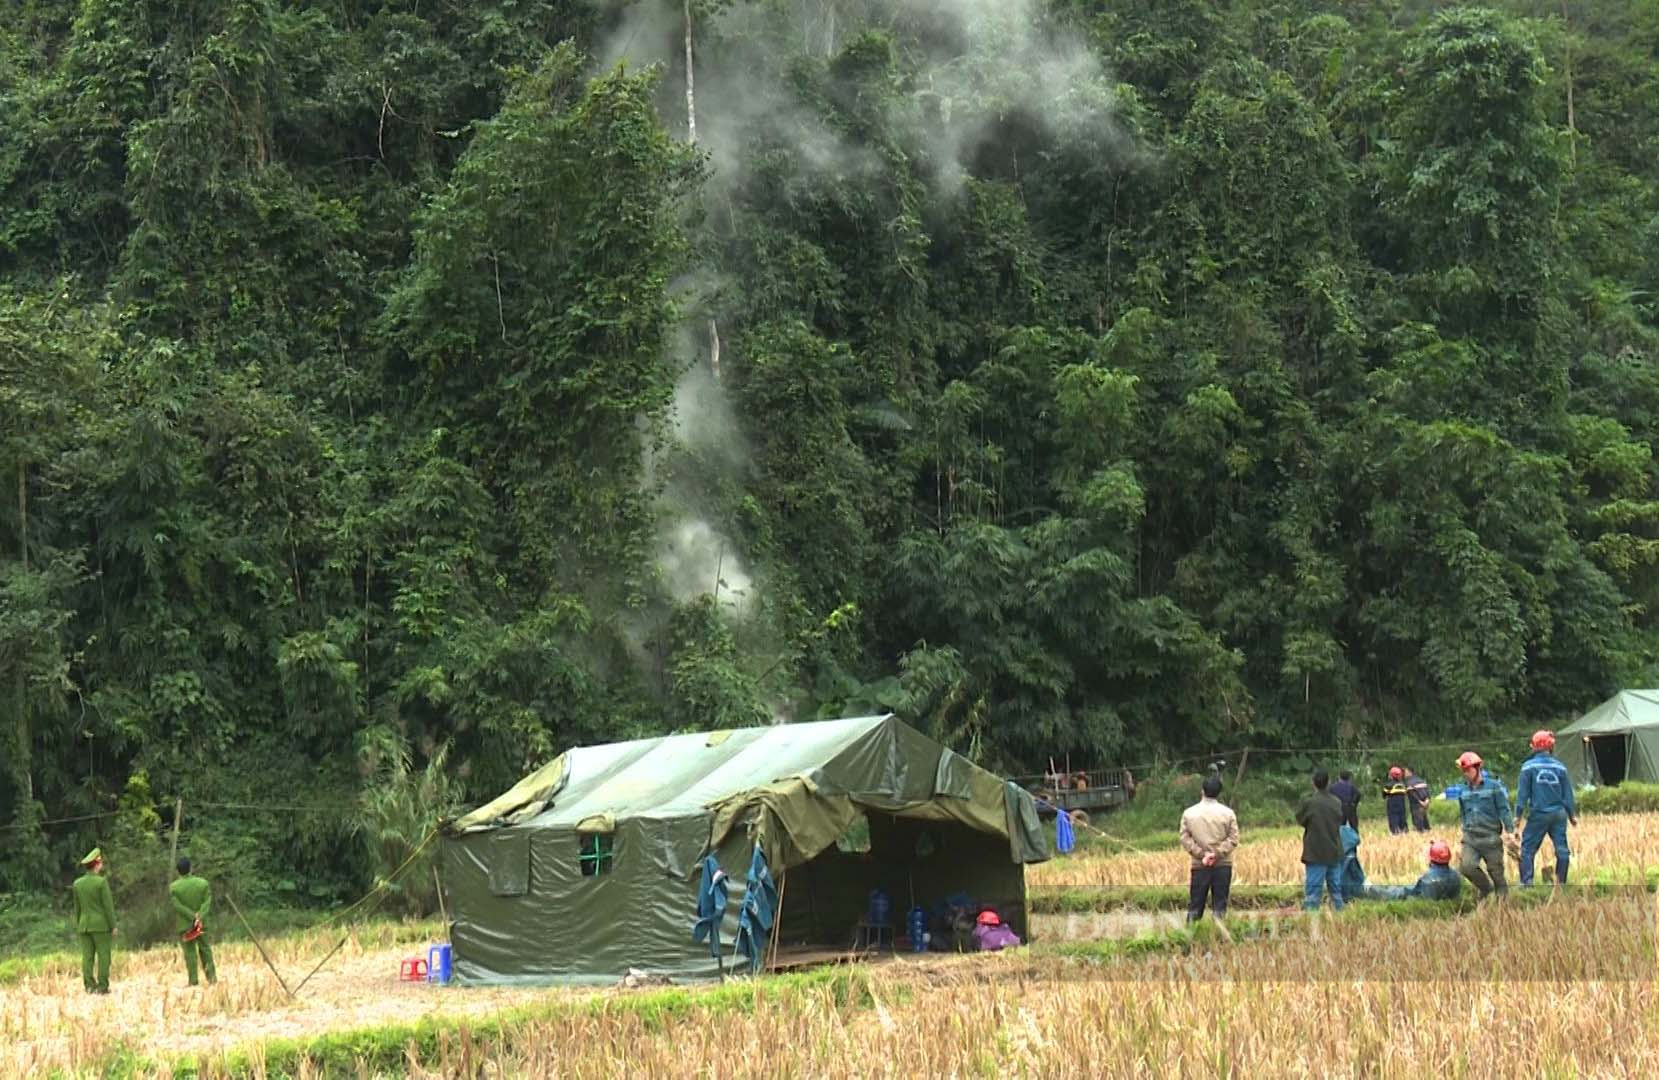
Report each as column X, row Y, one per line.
column 978, row 65
column 979, row 71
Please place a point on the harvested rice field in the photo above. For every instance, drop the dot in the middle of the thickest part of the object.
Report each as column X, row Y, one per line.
column 1554, row 983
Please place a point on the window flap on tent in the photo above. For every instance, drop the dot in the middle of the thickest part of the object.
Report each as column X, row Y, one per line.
column 597, row 823
column 518, row 817
column 509, row 862
column 539, row 786
column 675, row 846
column 954, row 777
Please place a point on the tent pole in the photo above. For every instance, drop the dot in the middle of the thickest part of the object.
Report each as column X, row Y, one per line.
column 777, row 920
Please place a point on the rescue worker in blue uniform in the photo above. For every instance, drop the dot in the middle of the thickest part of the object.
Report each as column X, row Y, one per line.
column 1484, row 807
column 1544, row 801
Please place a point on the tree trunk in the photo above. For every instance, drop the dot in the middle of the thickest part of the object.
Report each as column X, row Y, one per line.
column 24, row 772
column 691, row 137
column 1572, row 123
column 690, row 80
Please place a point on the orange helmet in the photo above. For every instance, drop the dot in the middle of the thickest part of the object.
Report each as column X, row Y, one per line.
column 1543, row 740
column 1469, row 759
column 989, row 918
column 1440, row 853
column 1395, row 773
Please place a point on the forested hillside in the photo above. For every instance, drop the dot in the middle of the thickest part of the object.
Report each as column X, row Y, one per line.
column 385, row 384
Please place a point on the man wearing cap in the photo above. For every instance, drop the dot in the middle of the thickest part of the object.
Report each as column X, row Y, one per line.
column 1484, row 807
column 1440, row 882
column 192, row 896
column 1544, row 800
column 94, row 922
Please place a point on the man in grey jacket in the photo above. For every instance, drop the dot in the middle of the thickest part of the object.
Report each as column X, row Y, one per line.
column 1209, row 833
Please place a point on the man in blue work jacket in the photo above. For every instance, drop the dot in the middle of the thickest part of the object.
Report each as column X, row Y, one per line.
column 1544, row 800
column 1484, row 806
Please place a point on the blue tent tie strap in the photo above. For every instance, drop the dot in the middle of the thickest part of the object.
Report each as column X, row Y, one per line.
column 754, row 921
column 711, row 905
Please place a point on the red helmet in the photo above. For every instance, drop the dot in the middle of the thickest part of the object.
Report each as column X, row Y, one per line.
column 1543, row 740
column 1396, row 773
column 1440, row 853
column 989, row 918
column 1469, row 759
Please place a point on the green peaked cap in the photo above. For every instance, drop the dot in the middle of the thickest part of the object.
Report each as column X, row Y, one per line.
column 92, row 856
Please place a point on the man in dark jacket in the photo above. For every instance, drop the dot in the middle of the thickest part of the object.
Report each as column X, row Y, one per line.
column 1417, row 797
column 1394, row 799
column 1320, row 815
column 1348, row 795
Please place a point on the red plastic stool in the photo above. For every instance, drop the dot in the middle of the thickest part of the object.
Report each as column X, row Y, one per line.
column 413, row 969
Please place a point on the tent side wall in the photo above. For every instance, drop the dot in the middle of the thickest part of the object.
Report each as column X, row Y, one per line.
column 1575, row 755
column 550, row 923
column 1644, row 755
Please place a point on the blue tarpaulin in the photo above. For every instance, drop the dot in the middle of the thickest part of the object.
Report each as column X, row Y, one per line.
column 711, row 905
column 754, row 920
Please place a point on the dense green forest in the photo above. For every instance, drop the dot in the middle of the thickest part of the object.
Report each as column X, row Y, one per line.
column 394, row 393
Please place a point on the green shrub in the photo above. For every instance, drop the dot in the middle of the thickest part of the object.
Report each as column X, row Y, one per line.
column 1630, row 797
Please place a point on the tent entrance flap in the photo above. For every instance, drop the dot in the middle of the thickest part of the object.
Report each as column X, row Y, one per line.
column 1610, row 755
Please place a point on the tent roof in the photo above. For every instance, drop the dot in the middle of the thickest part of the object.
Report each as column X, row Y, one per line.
column 1624, row 711
column 671, row 775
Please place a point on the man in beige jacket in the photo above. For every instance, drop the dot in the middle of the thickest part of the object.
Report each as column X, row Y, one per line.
column 1209, row 832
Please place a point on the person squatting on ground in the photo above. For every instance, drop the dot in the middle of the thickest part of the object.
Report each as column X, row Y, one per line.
column 1320, row 815
column 1348, row 795
column 1417, row 798
column 192, row 896
column 1209, row 833
column 1394, row 798
column 1544, row 800
column 94, row 922
column 1484, row 806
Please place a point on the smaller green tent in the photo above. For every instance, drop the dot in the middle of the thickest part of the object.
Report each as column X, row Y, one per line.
column 1618, row 740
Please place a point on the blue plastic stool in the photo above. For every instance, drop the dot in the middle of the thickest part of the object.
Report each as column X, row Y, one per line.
column 439, row 961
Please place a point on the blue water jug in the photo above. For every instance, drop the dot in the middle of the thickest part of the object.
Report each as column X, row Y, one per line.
column 439, row 961
column 880, row 908
column 916, row 924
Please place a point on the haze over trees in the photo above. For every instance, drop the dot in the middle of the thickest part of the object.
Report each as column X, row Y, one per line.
column 384, row 384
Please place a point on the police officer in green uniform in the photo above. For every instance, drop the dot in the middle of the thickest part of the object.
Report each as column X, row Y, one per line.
column 192, row 896
column 94, row 921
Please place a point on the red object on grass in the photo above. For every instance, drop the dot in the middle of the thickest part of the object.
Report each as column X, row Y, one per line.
column 413, row 969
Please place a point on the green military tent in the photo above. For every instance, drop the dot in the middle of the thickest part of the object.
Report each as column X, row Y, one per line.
column 1618, row 740
column 591, row 865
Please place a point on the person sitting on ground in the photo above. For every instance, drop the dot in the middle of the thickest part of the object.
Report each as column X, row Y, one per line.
column 991, row 935
column 1350, row 879
column 1439, row 882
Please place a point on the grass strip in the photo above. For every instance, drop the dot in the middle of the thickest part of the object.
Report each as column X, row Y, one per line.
column 1152, row 898
column 1600, row 883
column 388, row 1048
